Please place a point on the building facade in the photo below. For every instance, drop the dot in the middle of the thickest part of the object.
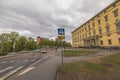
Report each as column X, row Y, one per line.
column 103, row 30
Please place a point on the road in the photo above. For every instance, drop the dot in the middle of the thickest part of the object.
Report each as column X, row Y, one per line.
column 11, row 65
column 43, row 69
column 41, row 66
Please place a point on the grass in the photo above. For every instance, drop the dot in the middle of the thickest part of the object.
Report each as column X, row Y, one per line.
column 107, row 69
column 72, row 53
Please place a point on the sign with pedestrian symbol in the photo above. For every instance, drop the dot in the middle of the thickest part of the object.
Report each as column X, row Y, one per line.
column 61, row 31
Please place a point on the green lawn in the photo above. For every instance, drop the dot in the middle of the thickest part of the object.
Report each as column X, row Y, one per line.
column 107, row 69
column 72, row 53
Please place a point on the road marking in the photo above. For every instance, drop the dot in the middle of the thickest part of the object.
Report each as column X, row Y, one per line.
column 10, row 73
column 33, row 60
column 5, row 69
column 4, row 62
column 25, row 60
column 11, row 61
column 25, row 71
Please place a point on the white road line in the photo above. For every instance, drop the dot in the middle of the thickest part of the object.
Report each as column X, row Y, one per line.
column 25, row 71
column 25, row 60
column 6, row 69
column 4, row 62
column 33, row 60
column 10, row 73
column 11, row 61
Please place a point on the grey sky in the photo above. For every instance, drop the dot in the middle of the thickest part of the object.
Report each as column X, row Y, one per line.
column 43, row 17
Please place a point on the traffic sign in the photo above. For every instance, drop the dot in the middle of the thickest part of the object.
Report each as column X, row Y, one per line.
column 61, row 37
column 61, row 31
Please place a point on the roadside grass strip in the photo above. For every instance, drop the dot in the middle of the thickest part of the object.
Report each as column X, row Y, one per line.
column 107, row 69
column 73, row 53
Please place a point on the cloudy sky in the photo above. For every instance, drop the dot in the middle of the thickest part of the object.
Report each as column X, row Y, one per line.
column 44, row 17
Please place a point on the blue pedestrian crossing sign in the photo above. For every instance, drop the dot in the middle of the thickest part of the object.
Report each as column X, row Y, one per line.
column 61, row 31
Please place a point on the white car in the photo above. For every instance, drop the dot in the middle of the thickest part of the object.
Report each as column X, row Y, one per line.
column 43, row 51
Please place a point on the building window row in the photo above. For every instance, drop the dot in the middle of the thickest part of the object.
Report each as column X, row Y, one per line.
column 115, row 13
column 117, row 23
column 109, row 41
column 106, row 16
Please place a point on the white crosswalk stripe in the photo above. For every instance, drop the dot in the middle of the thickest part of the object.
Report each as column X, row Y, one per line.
column 10, row 72
column 4, row 62
column 12, row 61
column 26, row 70
column 32, row 59
column 3, row 70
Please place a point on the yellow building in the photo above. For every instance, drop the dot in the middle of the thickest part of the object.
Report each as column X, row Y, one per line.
column 103, row 30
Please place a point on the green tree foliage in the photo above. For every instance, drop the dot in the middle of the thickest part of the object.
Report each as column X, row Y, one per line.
column 52, row 43
column 13, row 42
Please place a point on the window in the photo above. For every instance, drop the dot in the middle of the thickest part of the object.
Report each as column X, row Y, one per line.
column 83, row 36
column 118, row 28
column 86, row 35
column 109, row 42
column 119, row 40
column 93, row 24
column 101, row 42
column 94, row 32
column 106, row 18
column 118, row 25
column 99, row 22
column 108, row 29
column 88, row 27
column 100, row 30
column 116, row 13
column 89, row 34
column 85, row 29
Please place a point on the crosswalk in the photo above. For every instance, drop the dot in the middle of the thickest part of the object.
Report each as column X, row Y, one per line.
column 5, row 69
column 12, row 61
column 8, row 71
column 9, row 67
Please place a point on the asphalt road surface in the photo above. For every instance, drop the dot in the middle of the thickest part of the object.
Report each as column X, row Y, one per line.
column 11, row 65
column 43, row 69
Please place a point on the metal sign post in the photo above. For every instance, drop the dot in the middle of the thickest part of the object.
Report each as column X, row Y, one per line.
column 61, row 37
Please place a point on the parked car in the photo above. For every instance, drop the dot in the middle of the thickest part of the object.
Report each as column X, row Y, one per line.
column 43, row 51
column 22, row 52
column 38, row 50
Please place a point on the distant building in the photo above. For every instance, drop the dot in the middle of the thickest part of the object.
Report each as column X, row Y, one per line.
column 38, row 40
column 103, row 30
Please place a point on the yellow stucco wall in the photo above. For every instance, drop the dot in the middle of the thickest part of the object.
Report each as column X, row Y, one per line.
column 82, row 33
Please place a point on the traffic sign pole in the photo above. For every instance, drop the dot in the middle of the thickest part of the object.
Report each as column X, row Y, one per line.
column 61, row 37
